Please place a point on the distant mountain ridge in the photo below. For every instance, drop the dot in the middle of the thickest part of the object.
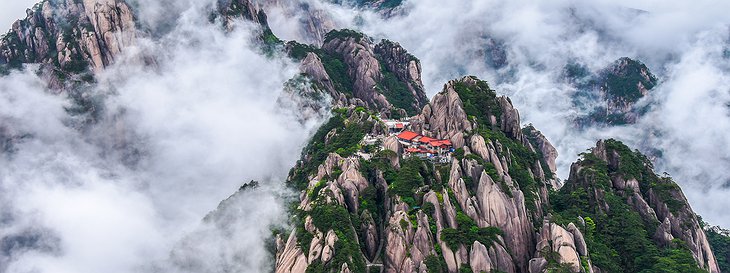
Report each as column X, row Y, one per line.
column 611, row 95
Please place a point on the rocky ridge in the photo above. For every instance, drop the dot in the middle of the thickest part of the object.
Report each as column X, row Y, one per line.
column 479, row 190
column 491, row 208
column 352, row 70
column 617, row 184
column 70, row 34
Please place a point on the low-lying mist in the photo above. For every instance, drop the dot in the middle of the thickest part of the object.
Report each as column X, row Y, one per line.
column 128, row 191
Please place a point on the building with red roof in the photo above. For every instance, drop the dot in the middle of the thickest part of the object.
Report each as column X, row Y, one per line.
column 423, row 146
column 441, row 143
column 426, row 140
column 408, row 136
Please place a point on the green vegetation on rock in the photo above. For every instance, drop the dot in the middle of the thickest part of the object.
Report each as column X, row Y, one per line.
column 624, row 84
column 468, row 232
column 618, row 239
column 336, row 218
column 480, row 101
column 343, row 34
column 396, row 91
column 720, row 242
column 635, row 165
column 345, row 142
column 333, row 64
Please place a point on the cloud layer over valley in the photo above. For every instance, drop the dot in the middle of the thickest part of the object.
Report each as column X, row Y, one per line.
column 168, row 142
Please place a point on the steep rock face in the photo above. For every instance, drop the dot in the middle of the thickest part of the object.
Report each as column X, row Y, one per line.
column 391, row 143
column 490, row 208
column 336, row 230
column 407, row 245
column 406, row 67
column 664, row 197
column 559, row 245
column 510, row 120
column 313, row 67
column 484, row 187
column 445, row 116
column 290, row 258
column 362, row 67
column 496, row 208
column 720, row 241
column 77, row 36
column 348, row 69
column 352, row 182
column 71, row 34
column 371, row 237
column 413, row 233
column 547, row 152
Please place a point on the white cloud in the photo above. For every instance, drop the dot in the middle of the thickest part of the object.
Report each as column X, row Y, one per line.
column 173, row 140
column 10, row 11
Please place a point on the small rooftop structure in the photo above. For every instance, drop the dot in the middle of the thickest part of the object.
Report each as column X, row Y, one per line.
column 426, row 140
column 408, row 136
column 426, row 147
column 395, row 126
column 441, row 143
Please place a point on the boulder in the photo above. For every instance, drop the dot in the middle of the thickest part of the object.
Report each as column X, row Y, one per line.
column 391, row 143
column 554, row 238
column 479, row 259
column 580, row 242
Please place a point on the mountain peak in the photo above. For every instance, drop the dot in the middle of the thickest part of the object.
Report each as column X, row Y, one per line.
column 71, row 35
column 619, row 188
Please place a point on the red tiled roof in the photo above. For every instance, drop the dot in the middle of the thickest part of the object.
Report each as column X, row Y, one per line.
column 426, row 139
column 408, row 135
column 399, row 125
column 439, row 143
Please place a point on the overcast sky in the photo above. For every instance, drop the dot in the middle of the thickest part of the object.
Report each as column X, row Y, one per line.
column 11, row 10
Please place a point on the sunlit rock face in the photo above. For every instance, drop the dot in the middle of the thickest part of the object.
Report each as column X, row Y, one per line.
column 71, row 34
